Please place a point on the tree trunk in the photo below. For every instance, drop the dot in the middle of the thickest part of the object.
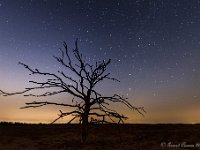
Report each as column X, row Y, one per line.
column 85, row 115
column 84, row 127
column 85, row 123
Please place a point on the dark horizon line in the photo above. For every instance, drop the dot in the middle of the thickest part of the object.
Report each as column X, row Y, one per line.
column 26, row 123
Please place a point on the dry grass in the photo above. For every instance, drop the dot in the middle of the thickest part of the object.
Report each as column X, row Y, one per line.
column 102, row 137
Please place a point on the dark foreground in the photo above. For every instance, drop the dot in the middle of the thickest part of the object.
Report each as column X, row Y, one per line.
column 102, row 137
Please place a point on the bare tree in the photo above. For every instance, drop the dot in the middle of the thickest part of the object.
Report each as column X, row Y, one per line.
column 88, row 101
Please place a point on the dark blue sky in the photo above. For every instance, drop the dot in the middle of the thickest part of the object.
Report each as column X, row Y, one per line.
column 154, row 46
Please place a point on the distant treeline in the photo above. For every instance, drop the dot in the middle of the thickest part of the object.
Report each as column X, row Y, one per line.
column 18, row 123
column 4, row 123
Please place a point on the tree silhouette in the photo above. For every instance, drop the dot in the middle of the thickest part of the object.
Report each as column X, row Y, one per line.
column 89, row 103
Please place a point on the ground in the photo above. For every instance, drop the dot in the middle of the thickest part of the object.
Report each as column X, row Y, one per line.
column 102, row 137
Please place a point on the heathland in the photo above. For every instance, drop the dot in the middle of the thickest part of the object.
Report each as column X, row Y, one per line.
column 15, row 136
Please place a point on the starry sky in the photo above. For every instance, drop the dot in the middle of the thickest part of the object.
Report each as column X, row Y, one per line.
column 154, row 46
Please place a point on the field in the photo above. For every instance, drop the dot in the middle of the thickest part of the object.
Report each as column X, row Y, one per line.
column 102, row 137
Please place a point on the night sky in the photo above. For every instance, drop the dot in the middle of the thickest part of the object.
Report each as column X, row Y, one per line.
column 154, row 46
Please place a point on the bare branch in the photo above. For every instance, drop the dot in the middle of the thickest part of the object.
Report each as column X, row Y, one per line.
column 39, row 104
column 61, row 115
column 10, row 94
column 46, row 94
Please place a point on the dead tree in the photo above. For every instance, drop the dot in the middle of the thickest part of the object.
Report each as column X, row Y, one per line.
column 87, row 101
